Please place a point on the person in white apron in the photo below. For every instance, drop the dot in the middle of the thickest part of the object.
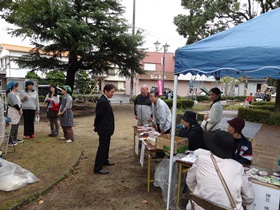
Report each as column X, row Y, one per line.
column 14, row 112
column 2, row 123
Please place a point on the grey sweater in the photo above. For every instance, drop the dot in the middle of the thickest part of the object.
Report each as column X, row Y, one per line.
column 32, row 102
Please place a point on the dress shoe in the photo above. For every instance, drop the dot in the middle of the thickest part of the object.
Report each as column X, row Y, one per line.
column 101, row 171
column 109, row 164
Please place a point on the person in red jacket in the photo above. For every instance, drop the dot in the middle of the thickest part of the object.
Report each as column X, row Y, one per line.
column 250, row 98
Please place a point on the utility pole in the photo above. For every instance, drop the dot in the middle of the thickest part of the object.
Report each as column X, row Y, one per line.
column 133, row 33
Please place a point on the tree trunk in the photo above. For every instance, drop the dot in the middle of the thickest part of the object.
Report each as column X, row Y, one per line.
column 277, row 100
column 70, row 77
column 72, row 69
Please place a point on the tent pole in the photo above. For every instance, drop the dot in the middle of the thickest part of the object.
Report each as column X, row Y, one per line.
column 174, row 107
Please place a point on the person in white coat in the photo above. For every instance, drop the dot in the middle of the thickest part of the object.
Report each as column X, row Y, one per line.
column 161, row 114
column 212, row 120
column 203, row 180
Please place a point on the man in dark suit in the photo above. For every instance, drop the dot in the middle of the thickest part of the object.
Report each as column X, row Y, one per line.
column 104, row 125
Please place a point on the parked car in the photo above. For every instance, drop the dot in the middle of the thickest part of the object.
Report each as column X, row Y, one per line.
column 165, row 93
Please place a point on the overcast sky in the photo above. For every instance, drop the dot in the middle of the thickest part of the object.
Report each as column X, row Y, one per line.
column 155, row 17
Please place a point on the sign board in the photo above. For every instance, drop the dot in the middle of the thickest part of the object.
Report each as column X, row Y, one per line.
column 266, row 198
column 142, row 153
column 137, row 146
column 160, row 93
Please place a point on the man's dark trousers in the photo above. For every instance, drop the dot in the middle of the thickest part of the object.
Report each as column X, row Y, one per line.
column 102, row 152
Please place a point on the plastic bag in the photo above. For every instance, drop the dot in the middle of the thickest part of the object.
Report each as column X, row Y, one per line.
column 13, row 177
column 37, row 118
column 161, row 180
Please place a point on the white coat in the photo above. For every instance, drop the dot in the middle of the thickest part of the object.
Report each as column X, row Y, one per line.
column 203, row 180
column 215, row 116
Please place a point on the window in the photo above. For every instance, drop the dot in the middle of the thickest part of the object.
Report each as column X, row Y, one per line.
column 149, row 66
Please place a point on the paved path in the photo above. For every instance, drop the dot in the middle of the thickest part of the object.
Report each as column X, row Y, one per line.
column 266, row 147
column 265, row 141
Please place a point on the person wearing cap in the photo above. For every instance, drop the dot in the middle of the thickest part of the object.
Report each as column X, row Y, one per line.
column 66, row 114
column 203, row 180
column 242, row 151
column 30, row 106
column 14, row 112
column 212, row 120
column 192, row 130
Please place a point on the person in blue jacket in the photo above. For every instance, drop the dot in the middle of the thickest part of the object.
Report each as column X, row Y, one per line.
column 242, row 151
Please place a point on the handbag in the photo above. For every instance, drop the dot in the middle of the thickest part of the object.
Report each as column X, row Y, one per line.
column 223, row 182
column 205, row 127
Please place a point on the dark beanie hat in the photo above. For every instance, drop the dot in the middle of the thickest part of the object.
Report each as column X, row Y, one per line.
column 216, row 90
column 190, row 117
column 237, row 123
column 28, row 82
column 220, row 143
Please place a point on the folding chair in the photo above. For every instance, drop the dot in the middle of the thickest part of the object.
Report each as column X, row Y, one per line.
column 204, row 203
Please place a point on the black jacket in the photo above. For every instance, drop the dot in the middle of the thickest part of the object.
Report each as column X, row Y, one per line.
column 195, row 136
column 104, row 122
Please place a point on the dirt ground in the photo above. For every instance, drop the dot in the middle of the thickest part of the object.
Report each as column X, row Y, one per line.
column 125, row 187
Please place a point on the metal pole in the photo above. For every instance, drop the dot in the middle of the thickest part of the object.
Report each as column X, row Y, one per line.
column 163, row 70
column 173, row 128
column 133, row 33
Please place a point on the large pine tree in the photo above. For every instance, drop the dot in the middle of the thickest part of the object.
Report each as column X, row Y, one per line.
column 92, row 34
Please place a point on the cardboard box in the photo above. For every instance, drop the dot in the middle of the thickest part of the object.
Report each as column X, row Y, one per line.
column 164, row 142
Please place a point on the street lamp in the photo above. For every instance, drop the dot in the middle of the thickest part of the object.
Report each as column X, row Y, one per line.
column 165, row 48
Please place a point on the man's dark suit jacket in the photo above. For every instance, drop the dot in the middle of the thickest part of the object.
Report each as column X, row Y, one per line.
column 104, row 122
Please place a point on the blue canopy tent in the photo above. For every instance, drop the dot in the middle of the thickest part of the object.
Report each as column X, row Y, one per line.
column 250, row 49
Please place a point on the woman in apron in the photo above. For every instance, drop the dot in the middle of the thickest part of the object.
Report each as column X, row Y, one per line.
column 66, row 114
column 14, row 112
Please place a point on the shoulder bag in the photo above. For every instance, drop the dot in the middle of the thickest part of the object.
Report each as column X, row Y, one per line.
column 223, row 182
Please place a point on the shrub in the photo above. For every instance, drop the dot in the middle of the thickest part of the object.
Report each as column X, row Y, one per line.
column 200, row 98
column 181, row 103
column 262, row 103
column 234, row 98
column 206, row 98
column 259, row 115
column 264, row 107
column 132, row 99
column 169, row 103
column 42, row 98
column 274, row 119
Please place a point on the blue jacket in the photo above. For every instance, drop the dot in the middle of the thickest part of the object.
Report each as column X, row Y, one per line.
column 243, row 151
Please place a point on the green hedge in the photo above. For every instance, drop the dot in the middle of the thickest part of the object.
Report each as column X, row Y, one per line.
column 206, row 98
column 42, row 98
column 259, row 115
column 181, row 103
column 235, row 98
column 264, row 107
column 262, row 103
column 89, row 98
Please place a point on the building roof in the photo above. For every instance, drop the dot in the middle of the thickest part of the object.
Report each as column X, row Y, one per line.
column 16, row 48
column 26, row 49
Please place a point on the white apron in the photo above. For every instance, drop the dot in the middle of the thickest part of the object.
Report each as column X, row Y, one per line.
column 13, row 113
